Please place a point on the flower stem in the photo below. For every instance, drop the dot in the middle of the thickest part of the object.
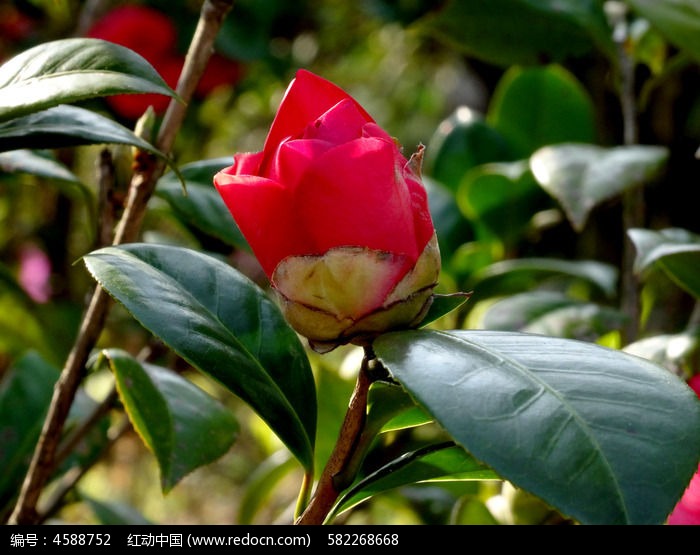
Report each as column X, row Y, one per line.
column 333, row 480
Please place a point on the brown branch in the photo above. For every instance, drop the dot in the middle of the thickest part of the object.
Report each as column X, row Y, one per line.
column 633, row 208
column 141, row 188
column 329, row 485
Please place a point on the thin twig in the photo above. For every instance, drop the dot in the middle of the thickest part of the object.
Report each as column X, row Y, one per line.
column 633, row 208
column 329, row 487
column 142, row 185
column 71, row 478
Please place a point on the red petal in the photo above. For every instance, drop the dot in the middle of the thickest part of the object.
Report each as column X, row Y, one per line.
column 351, row 197
column 293, row 159
column 263, row 211
column 307, row 98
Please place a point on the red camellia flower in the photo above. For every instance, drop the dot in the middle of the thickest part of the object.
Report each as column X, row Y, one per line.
column 337, row 217
column 687, row 511
column 153, row 35
column 140, row 28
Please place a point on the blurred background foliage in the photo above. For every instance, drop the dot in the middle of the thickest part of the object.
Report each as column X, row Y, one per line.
column 484, row 85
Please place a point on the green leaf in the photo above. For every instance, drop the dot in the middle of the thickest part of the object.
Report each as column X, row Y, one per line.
column 462, row 141
column 114, row 513
column 580, row 177
column 183, row 426
column 43, row 164
column 221, row 323
column 443, row 305
column 511, row 32
column 69, row 70
column 677, row 20
column 67, row 126
column 440, row 462
column 390, row 408
column 451, row 226
column 261, row 484
column 524, row 274
column 551, row 313
column 25, row 394
column 500, row 199
column 539, row 106
column 675, row 250
column 559, row 418
column 37, row 163
column 202, row 206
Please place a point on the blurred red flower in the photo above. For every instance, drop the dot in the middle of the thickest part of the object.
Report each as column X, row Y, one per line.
column 153, row 35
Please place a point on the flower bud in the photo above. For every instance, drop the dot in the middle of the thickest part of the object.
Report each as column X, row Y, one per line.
column 337, row 217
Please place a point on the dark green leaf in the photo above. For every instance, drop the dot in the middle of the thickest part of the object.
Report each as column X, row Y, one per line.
column 66, row 126
column 512, row 32
column 451, row 226
column 25, row 394
column 580, row 176
column 444, row 304
column 262, row 482
column 386, row 404
column 462, row 141
column 69, row 70
column 525, row 274
column 202, row 206
column 535, row 107
column 115, row 513
column 500, row 199
column 183, row 426
column 222, row 324
column 551, row 313
column 441, row 462
column 675, row 250
column 36, row 163
column 44, row 164
column 559, row 418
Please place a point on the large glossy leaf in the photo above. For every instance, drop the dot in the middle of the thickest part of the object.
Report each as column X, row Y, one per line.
column 534, row 107
column 202, row 206
column 69, row 70
column 582, row 176
column 678, row 20
column 222, row 324
column 439, row 462
column 675, row 250
column 602, row 436
column 66, row 126
column 183, row 426
column 512, row 32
